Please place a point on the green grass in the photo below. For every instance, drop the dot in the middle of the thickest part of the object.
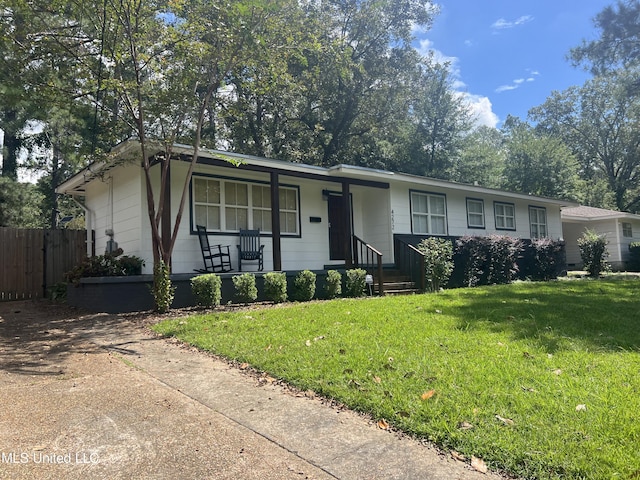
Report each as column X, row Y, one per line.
column 528, row 352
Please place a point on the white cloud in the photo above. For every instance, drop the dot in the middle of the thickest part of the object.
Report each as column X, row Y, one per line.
column 505, row 88
column 502, row 24
column 518, row 82
column 481, row 109
column 479, row 105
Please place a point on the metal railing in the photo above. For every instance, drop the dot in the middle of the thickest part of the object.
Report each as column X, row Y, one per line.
column 410, row 262
column 370, row 259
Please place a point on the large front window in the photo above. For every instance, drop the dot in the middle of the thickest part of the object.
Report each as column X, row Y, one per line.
column 428, row 213
column 229, row 205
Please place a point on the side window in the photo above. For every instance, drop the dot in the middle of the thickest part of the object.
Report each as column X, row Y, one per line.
column 505, row 214
column 475, row 213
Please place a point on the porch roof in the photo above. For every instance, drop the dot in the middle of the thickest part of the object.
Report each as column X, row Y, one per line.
column 129, row 151
column 584, row 213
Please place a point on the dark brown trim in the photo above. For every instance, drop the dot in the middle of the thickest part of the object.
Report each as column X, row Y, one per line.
column 289, row 173
column 275, row 222
column 346, row 219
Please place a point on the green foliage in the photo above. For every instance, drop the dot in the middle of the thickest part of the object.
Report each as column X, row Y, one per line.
column 107, row 265
column 594, row 253
column 438, row 261
column 333, row 284
column 304, row 286
column 634, row 257
column 20, row 205
column 245, row 285
column 206, row 288
column 356, row 282
column 275, row 286
column 488, row 260
column 162, row 290
column 549, row 259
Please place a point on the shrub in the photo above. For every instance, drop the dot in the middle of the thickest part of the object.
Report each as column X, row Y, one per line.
column 162, row 290
column 206, row 288
column 333, row 285
column 245, row 285
column 305, row 285
column 488, row 260
column 438, row 261
column 549, row 259
column 275, row 286
column 594, row 253
column 108, row 265
column 634, row 259
column 356, row 282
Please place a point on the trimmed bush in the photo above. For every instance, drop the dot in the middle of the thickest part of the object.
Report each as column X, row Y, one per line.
column 488, row 260
column 333, row 285
column 594, row 253
column 206, row 288
column 356, row 282
column 304, row 286
column 275, row 286
column 245, row 285
column 549, row 260
column 634, row 260
column 162, row 290
column 438, row 261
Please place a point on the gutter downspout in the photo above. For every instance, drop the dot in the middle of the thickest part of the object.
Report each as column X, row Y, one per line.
column 88, row 220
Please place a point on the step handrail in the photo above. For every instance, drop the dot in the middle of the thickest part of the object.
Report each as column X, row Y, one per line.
column 410, row 261
column 367, row 257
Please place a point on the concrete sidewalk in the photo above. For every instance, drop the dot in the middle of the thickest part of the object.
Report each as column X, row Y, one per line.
column 100, row 396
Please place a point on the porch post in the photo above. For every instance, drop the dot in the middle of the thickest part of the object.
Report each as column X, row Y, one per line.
column 165, row 225
column 275, row 222
column 346, row 218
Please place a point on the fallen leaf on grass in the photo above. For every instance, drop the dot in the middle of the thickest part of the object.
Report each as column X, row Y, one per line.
column 428, row 395
column 465, row 426
column 377, row 379
column 308, row 343
column 458, row 456
column 382, row 424
column 479, row 465
column 244, row 366
column 581, row 408
column 557, row 372
column 506, row 421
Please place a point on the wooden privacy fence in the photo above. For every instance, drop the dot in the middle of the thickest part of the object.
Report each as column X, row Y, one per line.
column 32, row 260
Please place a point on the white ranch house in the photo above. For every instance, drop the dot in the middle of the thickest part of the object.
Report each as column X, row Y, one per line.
column 320, row 209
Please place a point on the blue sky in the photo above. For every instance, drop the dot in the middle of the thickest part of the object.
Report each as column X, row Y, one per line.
column 507, row 56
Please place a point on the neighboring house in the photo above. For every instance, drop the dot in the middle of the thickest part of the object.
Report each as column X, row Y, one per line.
column 320, row 209
column 620, row 228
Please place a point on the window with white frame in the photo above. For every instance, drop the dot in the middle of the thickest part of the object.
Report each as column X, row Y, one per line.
column 505, row 214
column 538, row 222
column 475, row 213
column 230, row 205
column 627, row 230
column 428, row 213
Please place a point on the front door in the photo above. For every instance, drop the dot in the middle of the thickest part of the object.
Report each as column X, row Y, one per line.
column 337, row 231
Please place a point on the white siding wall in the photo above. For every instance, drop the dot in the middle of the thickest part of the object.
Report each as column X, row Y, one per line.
column 457, row 213
column 618, row 246
column 372, row 216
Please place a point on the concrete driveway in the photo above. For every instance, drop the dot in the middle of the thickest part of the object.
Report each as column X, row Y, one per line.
column 100, row 396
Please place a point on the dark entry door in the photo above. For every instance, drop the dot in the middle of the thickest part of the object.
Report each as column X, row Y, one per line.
column 336, row 228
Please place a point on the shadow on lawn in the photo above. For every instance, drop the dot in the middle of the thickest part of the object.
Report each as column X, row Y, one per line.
column 600, row 315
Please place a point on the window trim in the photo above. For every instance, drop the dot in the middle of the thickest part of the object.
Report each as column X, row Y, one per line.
column 428, row 195
column 249, row 183
column 630, row 229
column 484, row 218
column 495, row 215
column 546, row 222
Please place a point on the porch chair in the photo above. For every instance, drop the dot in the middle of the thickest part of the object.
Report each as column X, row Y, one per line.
column 216, row 257
column 249, row 248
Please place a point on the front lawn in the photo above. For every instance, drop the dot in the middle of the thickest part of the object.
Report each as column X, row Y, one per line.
column 538, row 379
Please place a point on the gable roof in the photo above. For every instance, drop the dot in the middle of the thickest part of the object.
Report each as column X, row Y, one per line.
column 130, row 151
column 590, row 214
